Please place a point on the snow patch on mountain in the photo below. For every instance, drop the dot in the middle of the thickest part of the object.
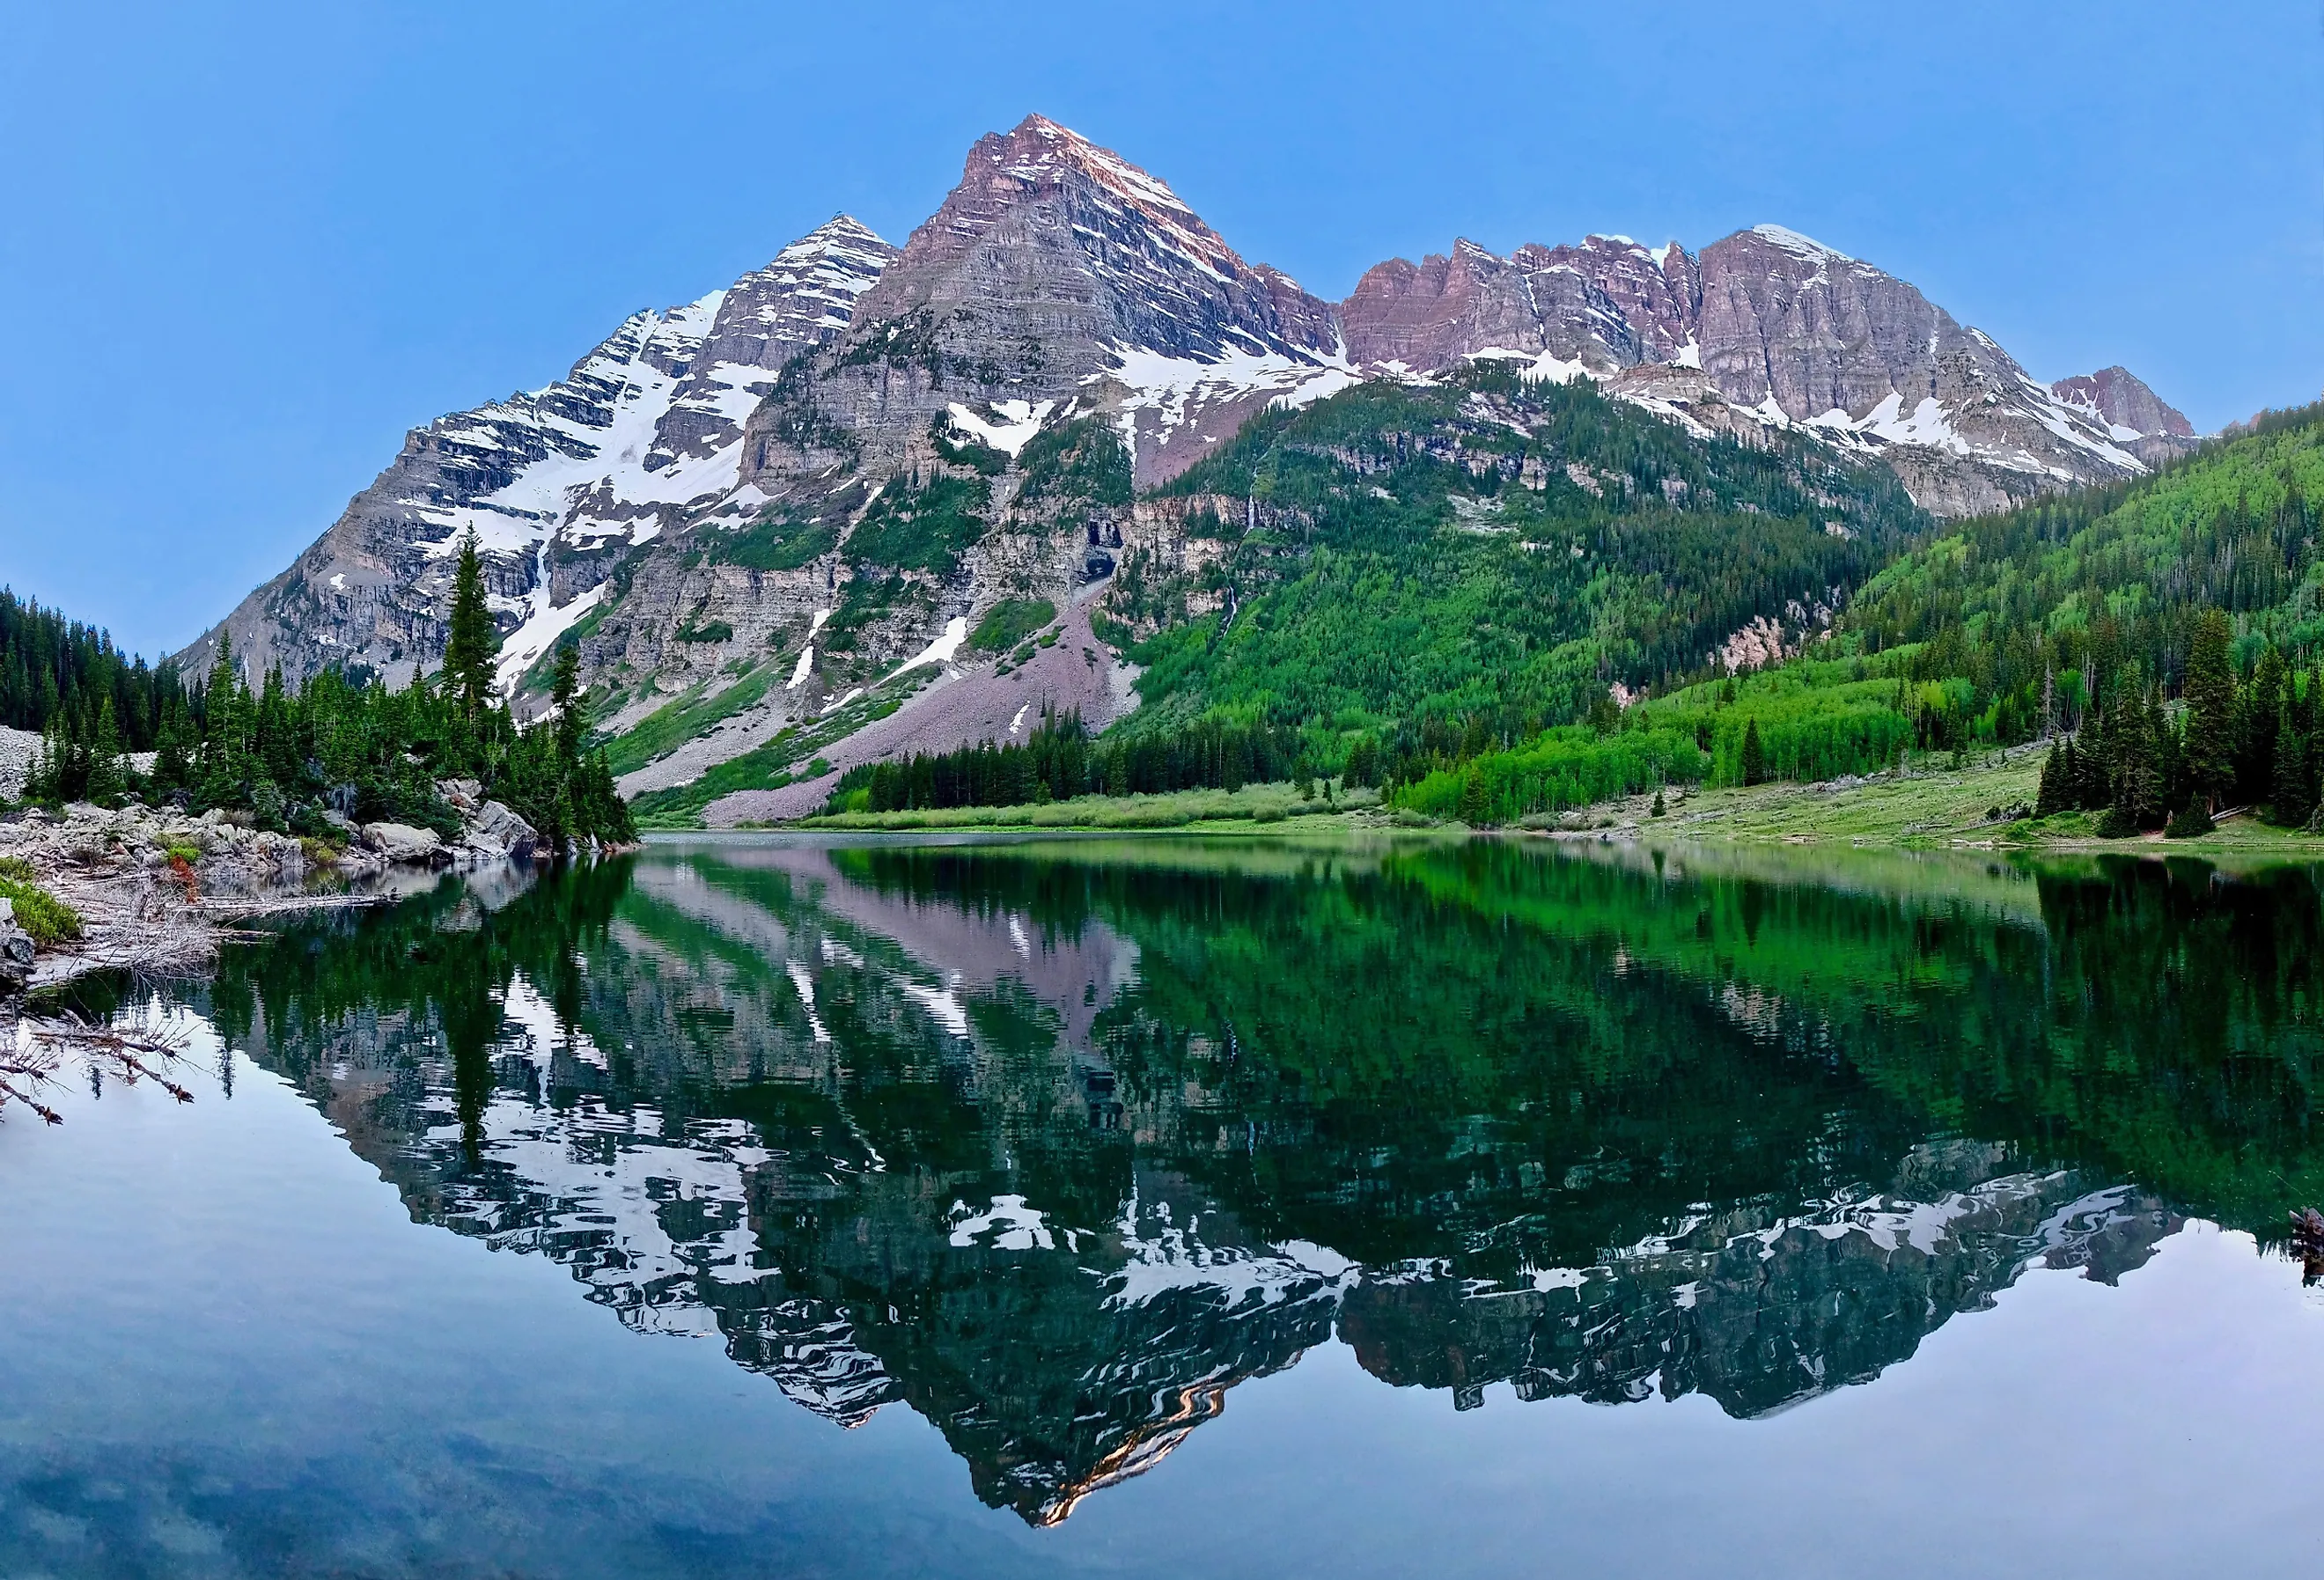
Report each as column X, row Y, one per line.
column 542, row 626
column 1805, row 246
column 1175, row 388
column 1010, row 428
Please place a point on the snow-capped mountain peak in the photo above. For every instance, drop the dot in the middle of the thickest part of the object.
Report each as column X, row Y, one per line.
column 1792, row 241
column 644, row 429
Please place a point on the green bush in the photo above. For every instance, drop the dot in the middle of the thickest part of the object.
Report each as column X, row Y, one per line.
column 1009, row 622
column 2190, row 821
column 49, row 920
column 1080, row 461
column 774, row 544
column 921, row 528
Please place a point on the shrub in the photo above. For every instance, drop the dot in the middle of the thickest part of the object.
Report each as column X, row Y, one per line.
column 775, row 544
column 2188, row 822
column 49, row 920
column 1009, row 622
column 925, row 527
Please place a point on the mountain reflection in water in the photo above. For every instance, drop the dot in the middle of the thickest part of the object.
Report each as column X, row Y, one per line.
column 1055, row 1143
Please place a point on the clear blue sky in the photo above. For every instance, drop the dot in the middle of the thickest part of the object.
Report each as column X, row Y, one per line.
column 245, row 247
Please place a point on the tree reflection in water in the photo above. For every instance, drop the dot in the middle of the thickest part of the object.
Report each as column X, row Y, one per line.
column 1057, row 1143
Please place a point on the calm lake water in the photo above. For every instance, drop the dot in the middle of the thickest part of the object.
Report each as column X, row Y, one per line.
column 1169, row 1206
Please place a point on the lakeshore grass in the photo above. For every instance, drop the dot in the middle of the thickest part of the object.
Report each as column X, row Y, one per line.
column 1260, row 804
column 1932, row 806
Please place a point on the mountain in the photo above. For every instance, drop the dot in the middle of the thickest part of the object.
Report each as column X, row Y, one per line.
column 869, row 500
column 1770, row 327
column 1055, row 276
column 642, row 432
column 2137, row 418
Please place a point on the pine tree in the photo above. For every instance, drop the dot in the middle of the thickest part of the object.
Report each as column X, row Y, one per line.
column 2261, row 711
column 173, row 765
column 2093, row 777
column 2169, row 790
column 471, row 639
column 2210, row 694
column 1755, row 754
column 565, row 697
column 2057, row 775
column 2288, row 782
column 1472, row 797
column 109, row 770
column 224, row 773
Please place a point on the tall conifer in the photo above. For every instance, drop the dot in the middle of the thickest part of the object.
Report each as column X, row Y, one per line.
column 471, row 639
column 2210, row 694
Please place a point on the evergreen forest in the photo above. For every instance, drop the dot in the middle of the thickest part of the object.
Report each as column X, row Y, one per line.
column 309, row 760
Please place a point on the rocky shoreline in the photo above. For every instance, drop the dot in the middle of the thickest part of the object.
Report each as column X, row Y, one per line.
column 158, row 890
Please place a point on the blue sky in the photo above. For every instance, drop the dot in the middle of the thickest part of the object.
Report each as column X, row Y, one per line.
column 246, row 247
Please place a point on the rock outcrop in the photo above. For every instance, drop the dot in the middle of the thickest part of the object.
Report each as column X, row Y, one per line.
column 400, row 844
column 16, row 947
column 1771, row 324
column 558, row 482
column 2141, row 421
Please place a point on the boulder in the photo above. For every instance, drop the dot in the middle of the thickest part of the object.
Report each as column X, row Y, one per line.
column 402, row 845
column 16, row 947
column 493, row 830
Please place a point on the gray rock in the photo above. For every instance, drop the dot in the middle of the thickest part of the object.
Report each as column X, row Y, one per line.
column 402, row 845
column 496, row 832
column 15, row 943
column 2122, row 400
column 375, row 588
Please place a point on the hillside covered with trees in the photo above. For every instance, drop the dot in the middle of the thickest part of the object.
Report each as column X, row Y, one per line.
column 2169, row 627
column 1488, row 547
column 292, row 759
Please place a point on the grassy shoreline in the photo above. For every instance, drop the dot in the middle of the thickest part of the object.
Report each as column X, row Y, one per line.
column 1924, row 808
column 1261, row 805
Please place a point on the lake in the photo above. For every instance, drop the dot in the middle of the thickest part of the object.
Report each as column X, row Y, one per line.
column 1218, row 1206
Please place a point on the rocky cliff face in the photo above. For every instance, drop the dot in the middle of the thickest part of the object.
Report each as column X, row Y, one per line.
column 1057, row 278
column 558, row 482
column 2140, row 420
column 689, row 503
column 1772, row 323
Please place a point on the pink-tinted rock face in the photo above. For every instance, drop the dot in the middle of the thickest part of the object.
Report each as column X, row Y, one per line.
column 1779, row 325
column 2123, row 398
column 1059, row 272
column 1607, row 303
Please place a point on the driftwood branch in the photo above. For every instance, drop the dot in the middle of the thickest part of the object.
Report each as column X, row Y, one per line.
column 2308, row 1242
column 37, row 1045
